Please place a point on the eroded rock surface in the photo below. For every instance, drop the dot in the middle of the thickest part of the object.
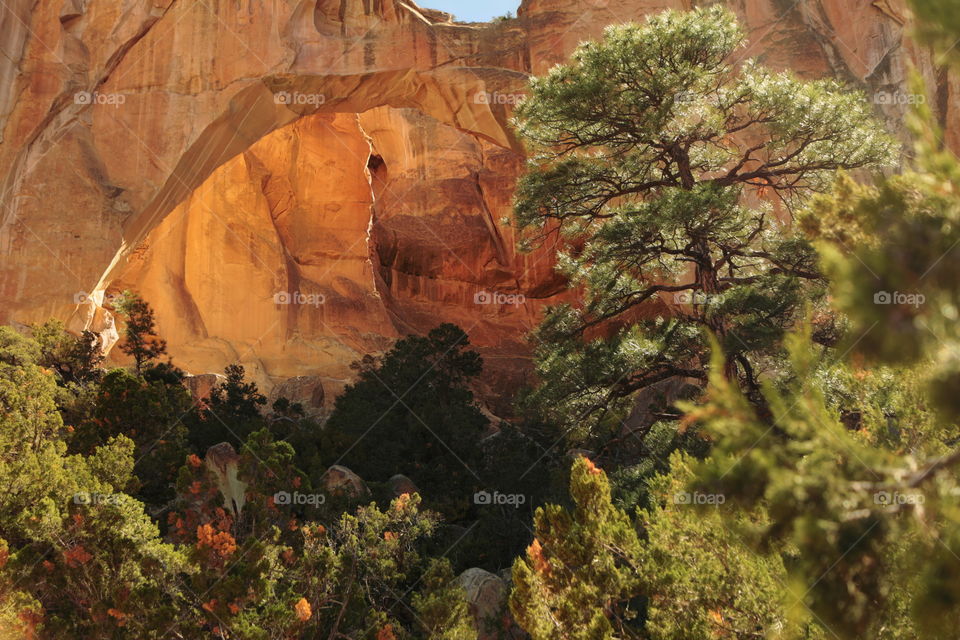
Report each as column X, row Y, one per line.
column 307, row 391
column 202, row 385
column 224, row 462
column 294, row 184
column 486, row 595
column 400, row 484
column 341, row 481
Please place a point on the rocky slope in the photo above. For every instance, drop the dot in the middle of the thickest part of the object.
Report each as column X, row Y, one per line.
column 294, row 183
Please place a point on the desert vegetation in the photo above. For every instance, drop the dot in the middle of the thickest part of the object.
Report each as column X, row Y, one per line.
column 743, row 423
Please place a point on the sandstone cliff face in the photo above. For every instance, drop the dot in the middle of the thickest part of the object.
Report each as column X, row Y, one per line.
column 293, row 184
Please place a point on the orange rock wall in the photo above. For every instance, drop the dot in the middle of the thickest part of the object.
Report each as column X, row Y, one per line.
column 216, row 155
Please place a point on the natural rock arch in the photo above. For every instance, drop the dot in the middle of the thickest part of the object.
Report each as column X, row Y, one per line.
column 83, row 185
column 196, row 83
column 394, row 235
column 253, row 112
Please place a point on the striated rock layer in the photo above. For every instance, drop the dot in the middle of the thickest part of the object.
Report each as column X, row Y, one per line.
column 295, row 183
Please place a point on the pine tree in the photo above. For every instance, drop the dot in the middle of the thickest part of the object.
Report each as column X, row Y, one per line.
column 140, row 335
column 665, row 167
column 580, row 577
column 150, row 412
column 859, row 469
column 80, row 558
column 76, row 359
column 412, row 412
column 230, row 414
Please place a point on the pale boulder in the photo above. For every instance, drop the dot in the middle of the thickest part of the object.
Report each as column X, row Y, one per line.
column 401, row 484
column 341, row 481
column 486, row 595
column 307, row 391
column 201, row 385
column 224, row 462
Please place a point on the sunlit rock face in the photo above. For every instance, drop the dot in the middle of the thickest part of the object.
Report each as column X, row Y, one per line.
column 267, row 263
column 330, row 238
column 294, row 184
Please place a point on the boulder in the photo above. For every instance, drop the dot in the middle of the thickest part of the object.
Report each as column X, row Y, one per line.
column 305, row 390
column 401, row 484
column 224, row 462
column 486, row 595
column 341, row 481
column 201, row 385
